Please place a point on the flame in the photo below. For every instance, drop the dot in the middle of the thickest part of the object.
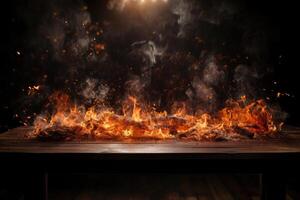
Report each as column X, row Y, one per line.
column 237, row 120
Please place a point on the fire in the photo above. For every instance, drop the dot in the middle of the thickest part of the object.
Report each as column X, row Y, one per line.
column 239, row 119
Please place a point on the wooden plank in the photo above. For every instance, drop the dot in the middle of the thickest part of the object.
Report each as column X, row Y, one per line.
column 14, row 141
column 145, row 148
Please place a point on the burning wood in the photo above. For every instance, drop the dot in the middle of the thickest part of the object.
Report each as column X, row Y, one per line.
column 238, row 120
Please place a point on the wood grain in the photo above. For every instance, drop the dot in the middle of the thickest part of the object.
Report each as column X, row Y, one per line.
column 15, row 141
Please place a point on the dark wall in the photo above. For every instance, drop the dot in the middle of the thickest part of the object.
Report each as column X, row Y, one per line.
column 22, row 65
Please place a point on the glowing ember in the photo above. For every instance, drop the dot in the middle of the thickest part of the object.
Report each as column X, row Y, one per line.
column 237, row 120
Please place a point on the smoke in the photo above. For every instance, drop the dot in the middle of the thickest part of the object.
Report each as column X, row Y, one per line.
column 203, row 91
column 93, row 91
column 135, row 86
column 191, row 12
column 212, row 74
column 166, row 51
column 184, row 10
column 245, row 78
column 66, row 32
column 204, row 88
column 149, row 49
column 116, row 4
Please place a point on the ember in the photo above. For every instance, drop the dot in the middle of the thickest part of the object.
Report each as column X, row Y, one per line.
column 240, row 119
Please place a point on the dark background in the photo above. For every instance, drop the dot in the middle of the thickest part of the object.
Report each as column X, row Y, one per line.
column 20, row 20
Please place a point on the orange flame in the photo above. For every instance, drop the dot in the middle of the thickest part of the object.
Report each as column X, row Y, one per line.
column 237, row 120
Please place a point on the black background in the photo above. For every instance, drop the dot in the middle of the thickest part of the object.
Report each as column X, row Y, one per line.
column 16, row 72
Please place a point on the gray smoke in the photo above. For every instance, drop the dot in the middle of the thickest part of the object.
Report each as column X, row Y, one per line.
column 183, row 45
column 135, row 86
column 93, row 91
column 149, row 50
column 116, row 4
column 245, row 78
column 202, row 90
column 191, row 12
column 66, row 31
column 212, row 74
column 184, row 10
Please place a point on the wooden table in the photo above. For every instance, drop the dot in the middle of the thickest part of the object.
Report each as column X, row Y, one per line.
column 273, row 158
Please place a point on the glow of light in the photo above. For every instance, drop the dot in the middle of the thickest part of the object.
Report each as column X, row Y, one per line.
column 144, row 1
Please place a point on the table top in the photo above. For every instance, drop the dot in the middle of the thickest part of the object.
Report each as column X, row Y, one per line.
column 14, row 141
column 273, row 155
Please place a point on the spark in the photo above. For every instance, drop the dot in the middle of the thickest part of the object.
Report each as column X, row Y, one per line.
column 33, row 89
